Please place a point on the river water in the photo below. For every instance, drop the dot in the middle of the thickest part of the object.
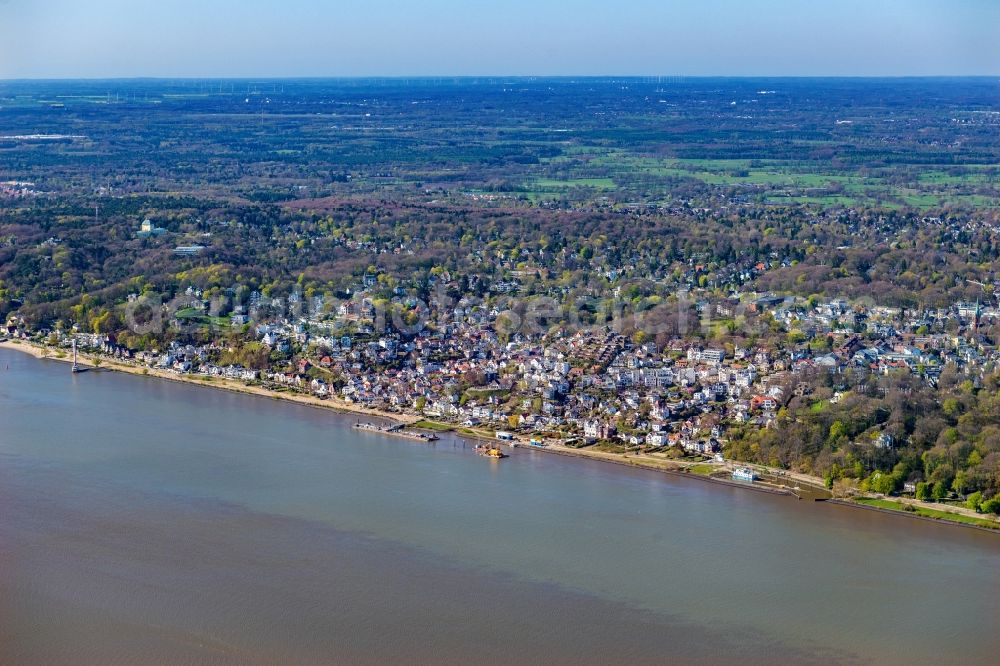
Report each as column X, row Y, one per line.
column 143, row 520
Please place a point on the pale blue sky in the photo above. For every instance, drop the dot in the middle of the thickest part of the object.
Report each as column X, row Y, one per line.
column 254, row 38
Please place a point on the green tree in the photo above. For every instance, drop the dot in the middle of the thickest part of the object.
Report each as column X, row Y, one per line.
column 951, row 407
column 882, row 483
column 992, row 505
column 960, row 483
column 923, row 492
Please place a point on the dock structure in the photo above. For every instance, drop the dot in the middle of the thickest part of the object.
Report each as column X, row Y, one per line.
column 76, row 365
column 396, row 430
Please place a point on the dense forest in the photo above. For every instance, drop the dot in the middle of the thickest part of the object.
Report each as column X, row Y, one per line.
column 949, row 437
column 55, row 253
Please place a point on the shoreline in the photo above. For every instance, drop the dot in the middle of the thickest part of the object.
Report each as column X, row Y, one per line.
column 679, row 471
column 410, row 421
column 907, row 514
column 233, row 385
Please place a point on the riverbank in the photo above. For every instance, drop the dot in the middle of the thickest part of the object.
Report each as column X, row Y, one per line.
column 627, row 459
column 100, row 363
column 674, row 469
column 687, row 469
column 804, row 485
column 915, row 510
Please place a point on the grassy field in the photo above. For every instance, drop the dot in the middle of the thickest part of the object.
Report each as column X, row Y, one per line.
column 437, row 426
column 931, row 513
column 780, row 182
column 434, row 425
column 199, row 317
column 819, row 406
column 554, row 184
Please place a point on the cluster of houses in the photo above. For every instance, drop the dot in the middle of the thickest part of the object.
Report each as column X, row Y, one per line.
column 16, row 188
column 593, row 383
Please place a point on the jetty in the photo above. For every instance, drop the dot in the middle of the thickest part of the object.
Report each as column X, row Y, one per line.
column 396, row 430
column 76, row 365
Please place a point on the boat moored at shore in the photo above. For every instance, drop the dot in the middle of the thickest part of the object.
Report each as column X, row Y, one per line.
column 490, row 451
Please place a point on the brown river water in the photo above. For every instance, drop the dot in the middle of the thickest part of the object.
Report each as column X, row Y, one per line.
column 146, row 521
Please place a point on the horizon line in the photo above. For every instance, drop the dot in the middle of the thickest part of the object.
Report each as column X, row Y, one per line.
column 408, row 77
